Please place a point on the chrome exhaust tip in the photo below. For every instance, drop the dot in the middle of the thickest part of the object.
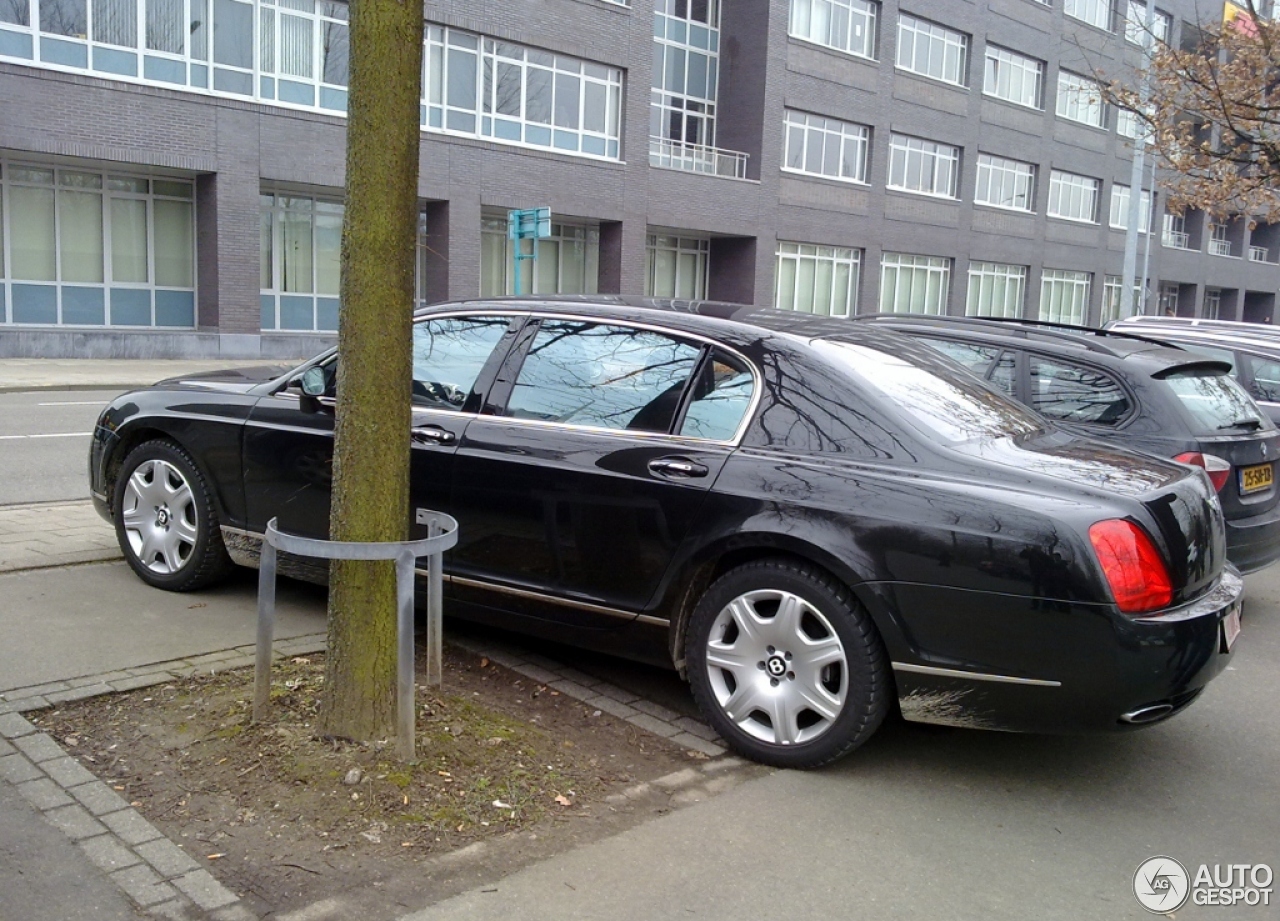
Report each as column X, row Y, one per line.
column 1147, row 714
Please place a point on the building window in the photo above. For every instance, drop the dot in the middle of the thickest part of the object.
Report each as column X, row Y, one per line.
column 914, row 284
column 1080, row 99
column 1128, row 124
column 1005, row 183
column 825, row 147
column 1219, row 244
column 676, row 266
column 568, row 261
column 846, row 25
column 1094, row 12
column 917, row 165
column 1064, row 296
column 300, row 242
column 1014, row 78
column 295, row 53
column 817, row 279
column 682, row 111
column 506, row 92
column 96, row 249
column 1120, row 199
column 1072, row 197
column 1169, row 299
column 1135, row 24
column 1175, row 234
column 1212, row 303
column 932, row 50
column 1112, row 299
column 996, row 290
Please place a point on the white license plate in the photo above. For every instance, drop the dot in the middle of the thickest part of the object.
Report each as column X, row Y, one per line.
column 1231, row 627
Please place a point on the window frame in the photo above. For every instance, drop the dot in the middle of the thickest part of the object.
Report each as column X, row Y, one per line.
column 496, row 403
column 994, row 167
column 984, row 273
column 1073, row 185
column 1101, row 11
column 869, row 14
column 931, row 34
column 1015, row 64
column 932, row 154
column 109, row 187
column 1072, row 104
column 851, row 258
column 828, row 129
column 940, row 267
column 1070, row 280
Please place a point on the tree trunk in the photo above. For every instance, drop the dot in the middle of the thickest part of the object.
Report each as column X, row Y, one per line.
column 371, row 437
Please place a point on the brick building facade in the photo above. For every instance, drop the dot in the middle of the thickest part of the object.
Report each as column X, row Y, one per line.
column 171, row 170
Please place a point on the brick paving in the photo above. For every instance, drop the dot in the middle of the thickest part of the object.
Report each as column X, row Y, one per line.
column 44, row 534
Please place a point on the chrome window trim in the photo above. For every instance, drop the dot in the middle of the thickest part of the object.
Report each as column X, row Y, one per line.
column 974, row 676
column 756, row 377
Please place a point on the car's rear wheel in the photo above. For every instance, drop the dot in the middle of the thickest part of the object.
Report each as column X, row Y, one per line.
column 166, row 521
column 786, row 665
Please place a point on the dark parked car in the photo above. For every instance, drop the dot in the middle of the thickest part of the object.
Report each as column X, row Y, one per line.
column 1252, row 349
column 812, row 519
column 1138, row 392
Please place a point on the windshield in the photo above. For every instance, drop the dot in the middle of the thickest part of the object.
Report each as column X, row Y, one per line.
column 1215, row 402
column 937, row 394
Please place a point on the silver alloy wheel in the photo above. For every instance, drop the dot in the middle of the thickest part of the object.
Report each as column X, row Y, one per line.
column 158, row 509
column 777, row 668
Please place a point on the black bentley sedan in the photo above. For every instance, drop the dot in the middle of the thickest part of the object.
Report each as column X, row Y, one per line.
column 814, row 521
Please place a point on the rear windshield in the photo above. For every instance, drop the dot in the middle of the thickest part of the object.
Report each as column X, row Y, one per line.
column 1215, row 402
column 935, row 393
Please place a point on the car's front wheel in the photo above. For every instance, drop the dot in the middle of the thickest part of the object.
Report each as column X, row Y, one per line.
column 165, row 519
column 786, row 665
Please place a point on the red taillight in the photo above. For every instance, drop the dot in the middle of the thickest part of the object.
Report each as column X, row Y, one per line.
column 1218, row 469
column 1137, row 575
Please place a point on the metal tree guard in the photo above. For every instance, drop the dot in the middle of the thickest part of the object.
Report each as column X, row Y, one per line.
column 442, row 531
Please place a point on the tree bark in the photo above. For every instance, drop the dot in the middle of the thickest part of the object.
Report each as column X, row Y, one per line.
column 371, row 437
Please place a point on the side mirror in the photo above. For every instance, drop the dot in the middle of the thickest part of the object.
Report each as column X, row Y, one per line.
column 315, row 382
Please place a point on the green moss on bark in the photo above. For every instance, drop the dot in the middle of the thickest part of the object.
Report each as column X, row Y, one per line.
column 371, row 438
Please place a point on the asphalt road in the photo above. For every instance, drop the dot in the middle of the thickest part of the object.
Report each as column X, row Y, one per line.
column 923, row 822
column 44, row 443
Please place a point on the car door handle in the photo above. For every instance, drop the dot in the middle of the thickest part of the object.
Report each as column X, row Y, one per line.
column 433, row 434
column 677, row 467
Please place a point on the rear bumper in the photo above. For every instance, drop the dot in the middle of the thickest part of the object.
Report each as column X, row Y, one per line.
column 1096, row 671
column 1254, row 542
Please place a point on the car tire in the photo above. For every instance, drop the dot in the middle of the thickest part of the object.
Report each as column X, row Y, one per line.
column 786, row 665
column 166, row 521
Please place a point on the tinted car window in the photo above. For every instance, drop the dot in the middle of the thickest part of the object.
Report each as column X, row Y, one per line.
column 1076, row 393
column 977, row 358
column 611, row 377
column 1266, row 379
column 1003, row 374
column 448, row 354
column 1215, row 401
column 720, row 399
column 952, row 406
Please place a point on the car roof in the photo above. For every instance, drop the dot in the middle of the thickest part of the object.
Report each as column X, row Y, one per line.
column 1141, row 353
column 690, row 315
column 1226, row 339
